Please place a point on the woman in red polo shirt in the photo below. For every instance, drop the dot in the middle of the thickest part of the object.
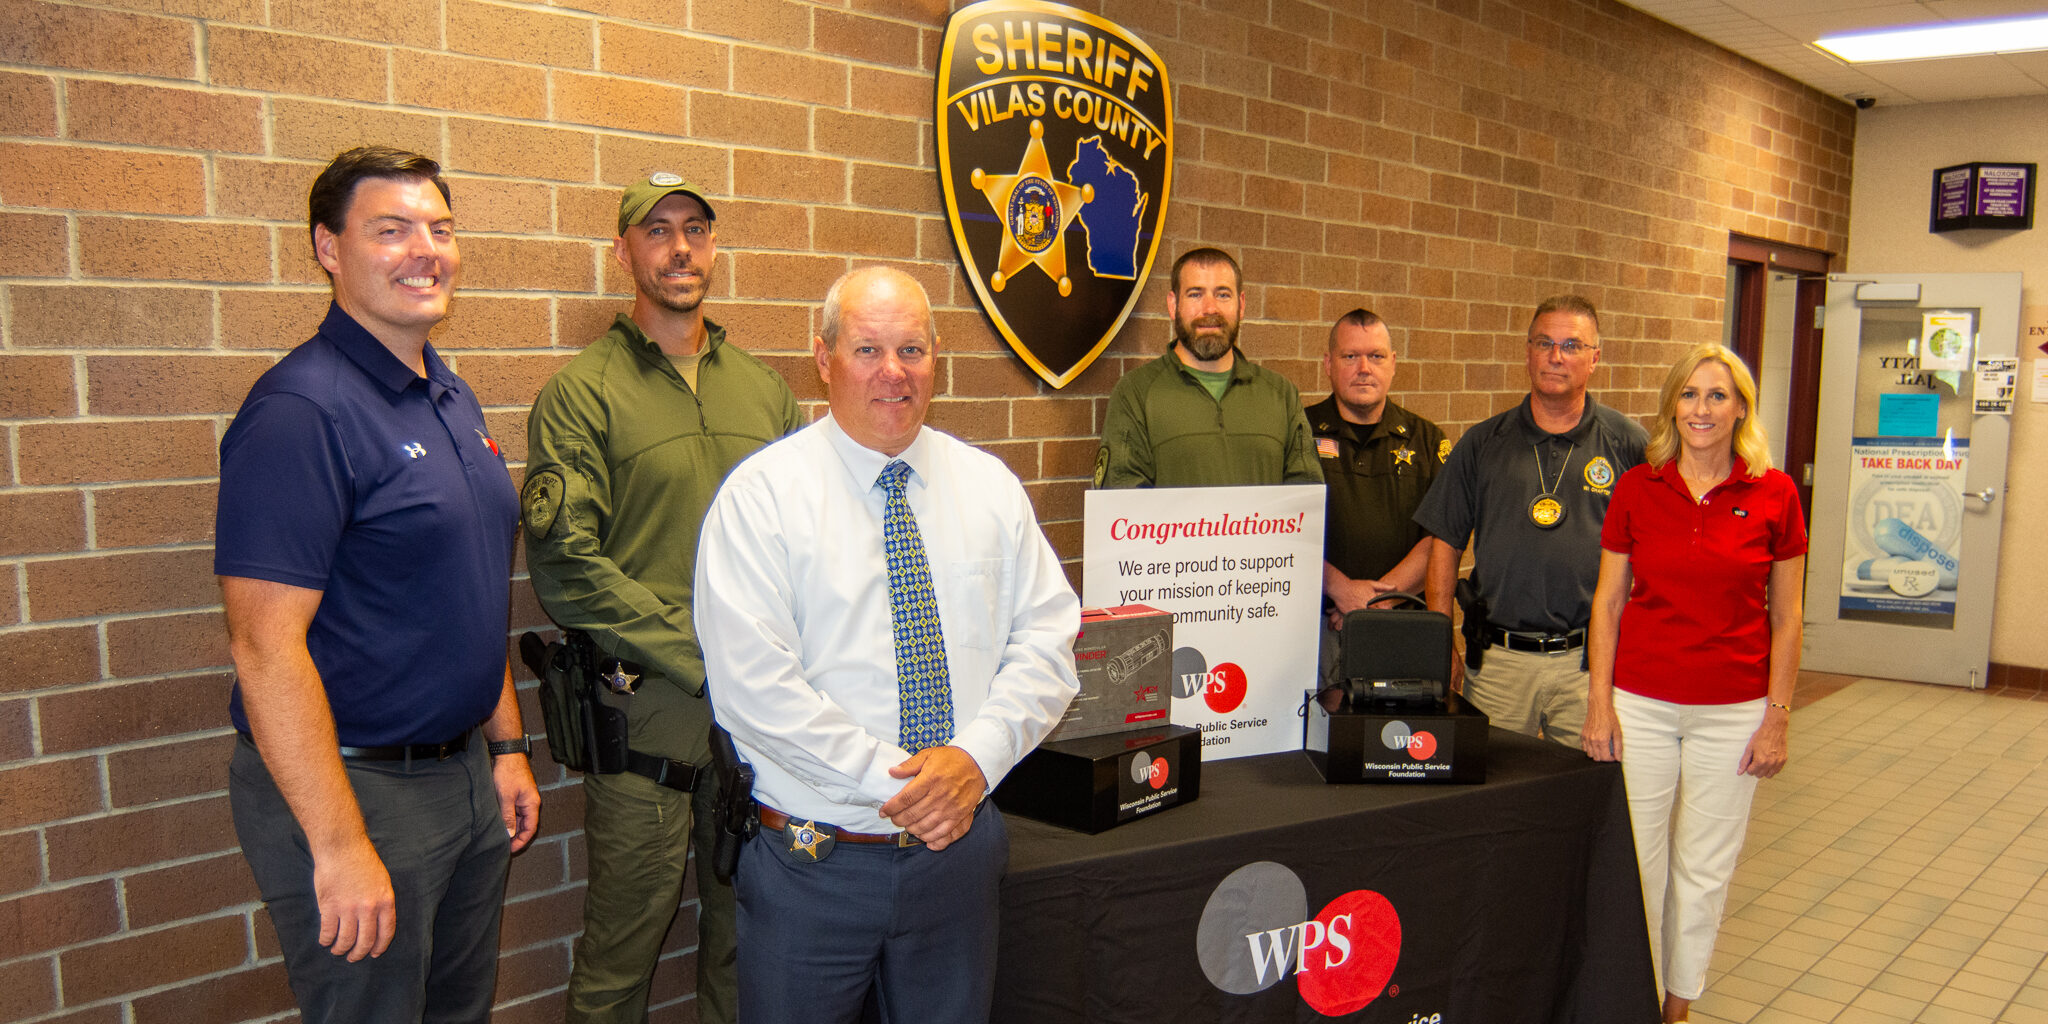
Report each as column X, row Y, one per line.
column 1694, row 646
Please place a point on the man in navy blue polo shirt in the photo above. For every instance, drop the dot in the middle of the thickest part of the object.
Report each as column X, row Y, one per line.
column 364, row 549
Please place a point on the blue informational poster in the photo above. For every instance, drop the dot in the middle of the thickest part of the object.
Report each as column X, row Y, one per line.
column 1912, row 415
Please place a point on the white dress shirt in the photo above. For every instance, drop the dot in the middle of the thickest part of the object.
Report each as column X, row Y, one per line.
column 792, row 609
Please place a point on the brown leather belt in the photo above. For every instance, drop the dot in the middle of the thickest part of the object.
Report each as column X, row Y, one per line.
column 776, row 821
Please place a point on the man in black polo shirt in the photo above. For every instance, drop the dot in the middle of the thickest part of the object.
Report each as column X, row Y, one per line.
column 1379, row 460
column 364, row 549
column 1529, row 489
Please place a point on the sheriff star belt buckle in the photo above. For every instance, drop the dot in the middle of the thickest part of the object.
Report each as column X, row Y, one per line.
column 808, row 837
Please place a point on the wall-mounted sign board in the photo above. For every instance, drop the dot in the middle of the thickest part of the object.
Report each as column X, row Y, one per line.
column 1982, row 195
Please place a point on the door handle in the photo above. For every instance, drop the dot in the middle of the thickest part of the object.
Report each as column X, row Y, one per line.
column 1986, row 495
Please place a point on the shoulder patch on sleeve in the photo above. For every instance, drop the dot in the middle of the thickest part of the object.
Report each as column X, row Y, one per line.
column 1443, row 450
column 1101, row 465
column 540, row 501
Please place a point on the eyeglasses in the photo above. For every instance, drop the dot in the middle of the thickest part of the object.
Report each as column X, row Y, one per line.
column 1568, row 347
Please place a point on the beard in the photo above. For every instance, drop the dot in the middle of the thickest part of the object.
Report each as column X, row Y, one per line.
column 1205, row 347
column 683, row 298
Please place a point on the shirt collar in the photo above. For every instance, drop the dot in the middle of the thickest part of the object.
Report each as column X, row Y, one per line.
column 865, row 464
column 714, row 336
column 1577, row 434
column 363, row 349
column 1738, row 476
column 1240, row 367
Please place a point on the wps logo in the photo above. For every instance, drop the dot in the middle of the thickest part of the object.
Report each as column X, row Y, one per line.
column 1149, row 770
column 1222, row 688
column 1256, row 931
column 1419, row 745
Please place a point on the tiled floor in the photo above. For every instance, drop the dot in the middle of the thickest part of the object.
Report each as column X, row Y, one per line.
column 1897, row 871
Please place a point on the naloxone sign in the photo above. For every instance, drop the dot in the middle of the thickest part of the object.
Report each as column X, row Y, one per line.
column 1055, row 138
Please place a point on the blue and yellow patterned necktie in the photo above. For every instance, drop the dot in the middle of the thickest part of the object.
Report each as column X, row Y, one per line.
column 922, row 685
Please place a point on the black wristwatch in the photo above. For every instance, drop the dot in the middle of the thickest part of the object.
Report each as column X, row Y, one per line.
column 522, row 745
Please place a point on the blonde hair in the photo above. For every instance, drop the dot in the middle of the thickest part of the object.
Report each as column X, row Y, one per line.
column 1750, row 443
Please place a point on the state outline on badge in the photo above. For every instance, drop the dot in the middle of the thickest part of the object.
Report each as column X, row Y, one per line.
column 1055, row 153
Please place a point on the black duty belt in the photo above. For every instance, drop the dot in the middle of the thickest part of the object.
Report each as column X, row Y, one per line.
column 677, row 775
column 1535, row 643
column 403, row 751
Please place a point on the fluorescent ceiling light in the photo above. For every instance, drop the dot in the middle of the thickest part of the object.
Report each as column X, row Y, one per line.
column 1953, row 40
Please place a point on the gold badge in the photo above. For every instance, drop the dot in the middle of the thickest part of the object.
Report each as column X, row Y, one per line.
column 1404, row 456
column 1546, row 511
column 807, row 837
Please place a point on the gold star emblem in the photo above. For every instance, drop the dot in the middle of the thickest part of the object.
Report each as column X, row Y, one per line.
column 1035, row 209
column 806, row 837
column 1404, row 456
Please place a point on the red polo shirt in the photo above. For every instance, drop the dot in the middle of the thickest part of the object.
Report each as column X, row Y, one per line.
column 1695, row 630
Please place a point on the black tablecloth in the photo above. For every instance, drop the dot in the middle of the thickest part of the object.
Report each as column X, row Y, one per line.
column 1517, row 899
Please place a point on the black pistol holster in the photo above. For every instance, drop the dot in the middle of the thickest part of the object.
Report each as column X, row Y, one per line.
column 737, row 820
column 1473, row 629
column 587, row 729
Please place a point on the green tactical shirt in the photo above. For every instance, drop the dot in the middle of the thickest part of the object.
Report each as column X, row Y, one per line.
column 1164, row 429
column 623, row 460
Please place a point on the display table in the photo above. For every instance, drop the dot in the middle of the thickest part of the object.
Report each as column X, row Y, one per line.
column 1517, row 900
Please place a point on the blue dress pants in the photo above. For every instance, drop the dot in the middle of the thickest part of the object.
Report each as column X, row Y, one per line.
column 912, row 929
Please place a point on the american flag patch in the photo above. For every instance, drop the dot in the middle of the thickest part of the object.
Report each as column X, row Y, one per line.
column 1326, row 447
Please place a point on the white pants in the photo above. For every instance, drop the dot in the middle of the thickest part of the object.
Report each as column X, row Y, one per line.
column 1690, row 808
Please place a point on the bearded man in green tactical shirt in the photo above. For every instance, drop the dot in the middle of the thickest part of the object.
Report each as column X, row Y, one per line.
column 1203, row 415
column 629, row 442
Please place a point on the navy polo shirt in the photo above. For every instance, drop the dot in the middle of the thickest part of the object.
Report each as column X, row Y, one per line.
column 347, row 473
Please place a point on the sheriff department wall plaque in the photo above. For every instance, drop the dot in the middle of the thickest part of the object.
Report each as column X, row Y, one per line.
column 1055, row 139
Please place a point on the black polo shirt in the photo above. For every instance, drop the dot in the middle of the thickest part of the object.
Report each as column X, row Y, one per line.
column 1533, row 579
column 1377, row 474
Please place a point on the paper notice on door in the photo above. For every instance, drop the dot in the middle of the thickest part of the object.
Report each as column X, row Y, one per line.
column 1997, row 378
column 1946, row 340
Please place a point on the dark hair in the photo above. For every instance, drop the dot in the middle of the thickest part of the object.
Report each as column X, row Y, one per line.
column 1566, row 304
column 327, row 204
column 1205, row 257
column 1360, row 318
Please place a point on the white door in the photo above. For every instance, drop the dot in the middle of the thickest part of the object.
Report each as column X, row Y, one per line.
column 1909, row 476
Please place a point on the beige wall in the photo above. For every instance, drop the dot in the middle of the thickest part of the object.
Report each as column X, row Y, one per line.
column 1448, row 163
column 1897, row 150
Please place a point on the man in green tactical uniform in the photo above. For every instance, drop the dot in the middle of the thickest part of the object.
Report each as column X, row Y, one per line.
column 629, row 442
column 1203, row 415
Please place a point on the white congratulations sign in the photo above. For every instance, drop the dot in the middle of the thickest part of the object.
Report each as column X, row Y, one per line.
column 1240, row 569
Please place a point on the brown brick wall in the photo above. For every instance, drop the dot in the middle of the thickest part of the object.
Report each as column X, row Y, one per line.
column 1446, row 163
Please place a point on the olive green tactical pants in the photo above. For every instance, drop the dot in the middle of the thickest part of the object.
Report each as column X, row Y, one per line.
column 639, row 837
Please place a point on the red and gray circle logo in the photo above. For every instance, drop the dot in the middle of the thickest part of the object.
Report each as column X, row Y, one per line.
column 1256, row 931
column 1418, row 744
column 1223, row 688
column 1148, row 770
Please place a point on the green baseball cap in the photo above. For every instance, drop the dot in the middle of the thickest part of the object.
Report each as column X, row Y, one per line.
column 641, row 196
